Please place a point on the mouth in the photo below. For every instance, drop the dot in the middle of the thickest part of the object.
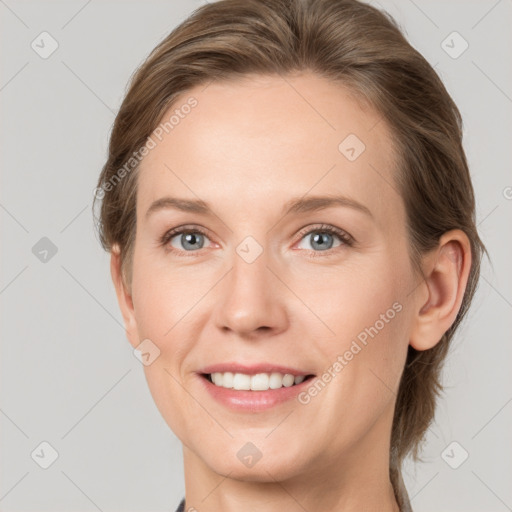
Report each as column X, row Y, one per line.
column 255, row 382
column 253, row 387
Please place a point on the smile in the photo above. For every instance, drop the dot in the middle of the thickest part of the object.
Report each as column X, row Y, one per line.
column 255, row 392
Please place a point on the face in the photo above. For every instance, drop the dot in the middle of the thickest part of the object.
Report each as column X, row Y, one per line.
column 295, row 262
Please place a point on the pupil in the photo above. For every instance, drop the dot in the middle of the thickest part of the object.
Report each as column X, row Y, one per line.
column 318, row 239
column 191, row 239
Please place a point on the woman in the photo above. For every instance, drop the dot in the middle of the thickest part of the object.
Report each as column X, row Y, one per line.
column 291, row 223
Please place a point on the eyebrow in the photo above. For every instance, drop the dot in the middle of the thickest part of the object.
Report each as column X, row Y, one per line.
column 295, row 205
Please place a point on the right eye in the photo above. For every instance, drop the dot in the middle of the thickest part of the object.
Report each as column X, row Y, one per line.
column 184, row 239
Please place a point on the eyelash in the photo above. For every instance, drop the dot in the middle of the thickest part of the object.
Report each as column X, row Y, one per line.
column 345, row 238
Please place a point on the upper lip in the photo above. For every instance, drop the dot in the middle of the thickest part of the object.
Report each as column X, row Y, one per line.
column 252, row 369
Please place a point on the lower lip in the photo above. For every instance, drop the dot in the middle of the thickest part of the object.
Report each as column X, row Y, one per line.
column 253, row 401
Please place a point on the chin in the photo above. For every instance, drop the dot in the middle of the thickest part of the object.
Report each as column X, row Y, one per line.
column 268, row 468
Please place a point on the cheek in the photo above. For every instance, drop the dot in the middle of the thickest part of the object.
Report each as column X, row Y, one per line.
column 371, row 331
column 354, row 297
column 165, row 295
column 162, row 298
column 366, row 307
column 171, row 399
column 370, row 349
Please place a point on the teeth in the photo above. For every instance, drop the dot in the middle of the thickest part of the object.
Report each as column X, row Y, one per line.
column 240, row 381
column 227, row 379
column 258, row 382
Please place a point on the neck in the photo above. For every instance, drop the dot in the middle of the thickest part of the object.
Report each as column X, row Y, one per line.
column 355, row 480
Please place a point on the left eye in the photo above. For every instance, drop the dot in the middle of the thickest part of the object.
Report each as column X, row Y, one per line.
column 323, row 239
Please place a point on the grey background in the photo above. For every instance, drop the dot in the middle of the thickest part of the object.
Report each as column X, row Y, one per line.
column 68, row 375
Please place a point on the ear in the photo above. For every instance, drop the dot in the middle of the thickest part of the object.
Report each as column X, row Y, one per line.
column 124, row 297
column 439, row 297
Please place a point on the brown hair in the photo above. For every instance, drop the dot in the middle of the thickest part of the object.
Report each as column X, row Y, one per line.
column 351, row 43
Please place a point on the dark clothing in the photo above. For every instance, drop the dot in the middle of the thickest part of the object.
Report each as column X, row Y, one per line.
column 403, row 502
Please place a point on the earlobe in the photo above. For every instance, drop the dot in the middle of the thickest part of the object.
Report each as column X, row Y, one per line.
column 446, row 275
column 124, row 297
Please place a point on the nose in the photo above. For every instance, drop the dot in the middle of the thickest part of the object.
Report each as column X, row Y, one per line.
column 253, row 301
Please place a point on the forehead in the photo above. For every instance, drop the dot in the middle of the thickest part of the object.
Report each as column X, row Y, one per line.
column 251, row 143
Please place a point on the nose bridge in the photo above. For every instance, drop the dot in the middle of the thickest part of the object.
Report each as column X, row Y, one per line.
column 250, row 297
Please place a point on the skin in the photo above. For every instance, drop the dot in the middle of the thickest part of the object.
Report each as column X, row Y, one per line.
column 247, row 148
